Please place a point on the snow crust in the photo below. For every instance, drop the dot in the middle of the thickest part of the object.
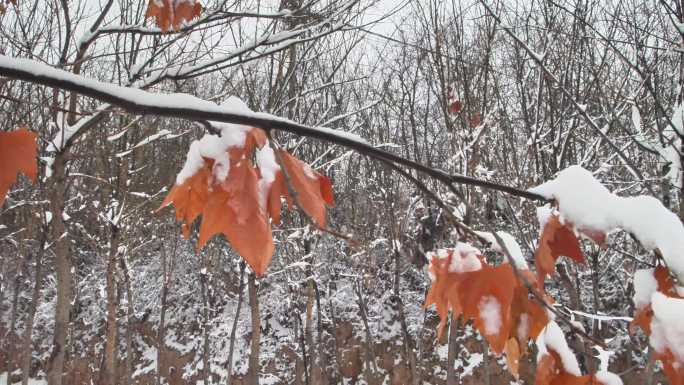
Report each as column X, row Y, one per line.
column 588, row 205
column 490, row 313
column 509, row 243
column 552, row 338
column 608, row 378
column 216, row 146
column 144, row 99
column 645, row 285
column 465, row 258
column 667, row 328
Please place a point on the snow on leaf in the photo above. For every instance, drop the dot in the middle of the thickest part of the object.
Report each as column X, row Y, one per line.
column 168, row 13
column 486, row 296
column 550, row 372
column 556, row 240
column 445, row 280
column 18, row 153
column 592, row 209
column 510, row 244
column 235, row 184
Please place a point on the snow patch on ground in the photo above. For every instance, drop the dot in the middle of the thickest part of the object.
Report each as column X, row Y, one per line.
column 32, row 381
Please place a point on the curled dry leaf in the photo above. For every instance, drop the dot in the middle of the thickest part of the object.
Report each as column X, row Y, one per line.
column 455, row 107
column 18, row 153
column 168, row 13
column 557, row 240
column 314, row 191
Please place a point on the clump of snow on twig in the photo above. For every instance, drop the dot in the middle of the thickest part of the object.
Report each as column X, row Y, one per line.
column 552, row 338
column 464, row 258
column 589, row 206
column 510, row 244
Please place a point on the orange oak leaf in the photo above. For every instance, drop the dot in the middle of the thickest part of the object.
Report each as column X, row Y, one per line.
column 665, row 285
column 18, row 153
column 314, row 191
column 240, row 206
column 643, row 318
column 190, row 197
column 556, row 240
column 235, row 213
column 550, row 371
column 168, row 13
column 528, row 315
column 547, row 369
column 486, row 296
column 674, row 370
column 278, row 189
column 444, row 290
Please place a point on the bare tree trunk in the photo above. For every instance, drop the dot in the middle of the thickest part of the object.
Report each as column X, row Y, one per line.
column 167, row 275
column 128, row 368
column 27, row 346
column 322, row 359
column 370, row 352
column 63, row 266
column 452, row 376
column 108, row 367
column 256, row 331
column 206, row 373
column 302, row 344
column 309, row 365
column 233, row 329
column 9, row 346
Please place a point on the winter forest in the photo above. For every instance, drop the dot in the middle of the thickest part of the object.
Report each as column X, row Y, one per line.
column 322, row 192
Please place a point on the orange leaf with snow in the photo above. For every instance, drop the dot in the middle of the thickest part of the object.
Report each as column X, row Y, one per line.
column 235, row 184
column 168, row 13
column 557, row 240
column 492, row 297
column 18, row 153
column 528, row 315
column 557, row 364
column 446, row 270
column 486, row 296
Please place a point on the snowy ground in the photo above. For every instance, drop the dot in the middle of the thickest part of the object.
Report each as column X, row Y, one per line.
column 3, row 380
